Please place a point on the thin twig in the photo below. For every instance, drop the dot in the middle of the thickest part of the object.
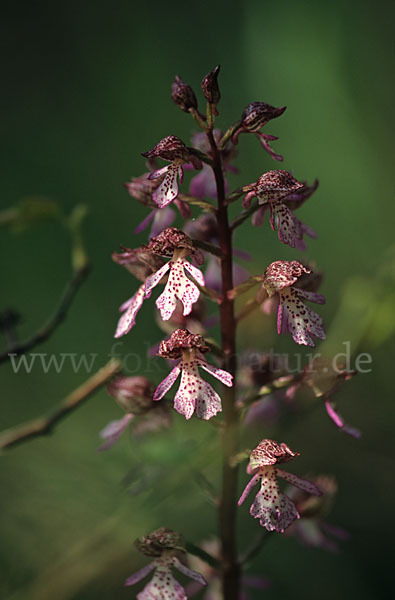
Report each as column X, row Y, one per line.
column 248, row 212
column 207, row 247
column 46, row 330
column 203, row 555
column 44, row 425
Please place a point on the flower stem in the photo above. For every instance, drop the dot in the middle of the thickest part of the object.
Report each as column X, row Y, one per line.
column 230, row 431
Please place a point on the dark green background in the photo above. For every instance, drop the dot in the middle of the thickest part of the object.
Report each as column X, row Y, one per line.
column 85, row 89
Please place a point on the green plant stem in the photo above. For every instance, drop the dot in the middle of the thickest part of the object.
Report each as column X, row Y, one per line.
column 45, row 425
column 54, row 321
column 230, row 430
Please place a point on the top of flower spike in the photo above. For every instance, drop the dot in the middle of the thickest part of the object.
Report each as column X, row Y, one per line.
column 181, row 339
column 257, row 114
column 183, row 95
column 155, row 543
column 275, row 185
column 172, row 239
column 269, row 452
column 210, row 86
column 281, row 274
column 170, row 148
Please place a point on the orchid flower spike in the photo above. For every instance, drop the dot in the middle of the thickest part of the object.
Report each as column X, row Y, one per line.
column 194, row 393
column 275, row 510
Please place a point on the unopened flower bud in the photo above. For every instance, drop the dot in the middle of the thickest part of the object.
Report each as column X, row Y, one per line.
column 133, row 394
column 160, row 540
column 183, row 95
column 210, row 86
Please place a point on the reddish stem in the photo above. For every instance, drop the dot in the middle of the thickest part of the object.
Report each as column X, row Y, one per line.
column 230, row 435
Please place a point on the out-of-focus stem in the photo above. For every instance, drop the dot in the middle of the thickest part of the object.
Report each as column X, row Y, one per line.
column 230, row 431
column 45, row 425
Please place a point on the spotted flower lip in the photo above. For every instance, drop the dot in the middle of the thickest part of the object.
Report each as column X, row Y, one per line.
column 173, row 242
column 278, row 191
column 274, row 509
column 175, row 151
column 142, row 189
column 293, row 315
column 194, row 395
column 163, row 585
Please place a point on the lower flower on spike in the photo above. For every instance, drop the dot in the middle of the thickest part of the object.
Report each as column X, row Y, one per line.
column 194, row 395
column 166, row 546
column 275, row 510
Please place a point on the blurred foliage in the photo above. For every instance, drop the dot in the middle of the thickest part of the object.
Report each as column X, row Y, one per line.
column 85, row 91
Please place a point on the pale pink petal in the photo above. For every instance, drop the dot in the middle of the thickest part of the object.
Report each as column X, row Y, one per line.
column 196, row 273
column 189, row 572
column 248, row 489
column 167, row 383
column 128, row 319
column 264, row 139
column 303, row 323
column 203, row 184
column 275, row 510
column 259, row 215
column 208, row 402
column 167, row 301
column 168, row 189
column 223, row 376
column 145, row 222
column 178, row 287
column 196, row 394
column 154, row 279
column 139, row 575
column 290, row 229
column 240, row 274
column 299, row 482
column 159, row 173
column 213, row 274
column 164, row 217
column 256, row 581
column 113, row 431
column 163, row 586
column 310, row 296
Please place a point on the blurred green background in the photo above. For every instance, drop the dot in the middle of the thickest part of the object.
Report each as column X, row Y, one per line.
column 85, row 91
